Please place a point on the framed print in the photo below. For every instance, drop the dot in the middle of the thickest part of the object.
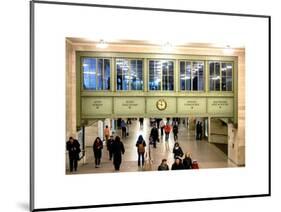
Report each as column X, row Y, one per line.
column 144, row 100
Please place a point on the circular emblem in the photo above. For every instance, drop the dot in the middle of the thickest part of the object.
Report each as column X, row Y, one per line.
column 161, row 104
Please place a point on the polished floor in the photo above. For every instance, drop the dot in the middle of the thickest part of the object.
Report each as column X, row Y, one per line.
column 207, row 154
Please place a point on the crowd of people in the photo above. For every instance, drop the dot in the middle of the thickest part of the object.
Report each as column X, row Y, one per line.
column 115, row 146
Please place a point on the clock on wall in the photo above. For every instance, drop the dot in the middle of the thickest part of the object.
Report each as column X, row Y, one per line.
column 161, row 104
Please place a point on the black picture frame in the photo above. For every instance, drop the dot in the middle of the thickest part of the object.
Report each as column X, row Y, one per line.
column 32, row 73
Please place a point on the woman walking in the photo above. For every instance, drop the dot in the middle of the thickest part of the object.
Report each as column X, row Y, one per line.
column 141, row 150
column 97, row 149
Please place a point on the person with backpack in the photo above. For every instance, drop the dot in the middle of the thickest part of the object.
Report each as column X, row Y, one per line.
column 141, row 150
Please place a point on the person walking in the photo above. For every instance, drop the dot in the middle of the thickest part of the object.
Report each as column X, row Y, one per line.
column 117, row 151
column 141, row 122
column 162, row 125
column 97, row 149
column 141, row 150
column 197, row 130
column 109, row 146
column 175, row 131
column 177, row 165
column 177, row 151
column 163, row 166
column 167, row 130
column 200, row 130
column 106, row 133
column 187, row 161
column 124, row 128
column 73, row 148
column 154, row 135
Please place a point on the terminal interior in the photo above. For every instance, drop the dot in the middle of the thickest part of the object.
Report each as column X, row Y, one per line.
column 208, row 155
column 132, row 79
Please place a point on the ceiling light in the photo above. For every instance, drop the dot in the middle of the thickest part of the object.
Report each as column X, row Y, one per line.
column 167, row 46
column 228, row 50
column 102, row 44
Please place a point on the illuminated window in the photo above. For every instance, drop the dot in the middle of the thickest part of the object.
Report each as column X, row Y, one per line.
column 96, row 73
column 226, row 76
column 129, row 74
column 220, row 76
column 161, row 75
column 192, row 76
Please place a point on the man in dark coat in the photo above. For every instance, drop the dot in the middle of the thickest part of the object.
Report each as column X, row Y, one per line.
column 109, row 146
column 175, row 131
column 177, row 165
column 117, row 151
column 154, row 135
column 73, row 148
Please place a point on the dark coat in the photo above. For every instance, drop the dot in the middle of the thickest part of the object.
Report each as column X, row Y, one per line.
column 175, row 129
column 177, row 152
column 163, row 167
column 73, row 149
column 187, row 163
column 117, row 151
column 109, row 144
column 154, row 134
column 177, row 166
column 97, row 148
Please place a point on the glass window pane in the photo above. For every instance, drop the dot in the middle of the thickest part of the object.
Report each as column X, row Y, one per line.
column 89, row 73
column 170, row 85
column 106, row 74
column 188, row 76
column 214, row 80
column 201, row 76
column 139, row 75
column 155, row 74
column 226, row 76
column 195, row 76
column 136, row 74
column 123, row 77
column 165, row 75
column 100, row 74
column 133, row 76
column 182, row 75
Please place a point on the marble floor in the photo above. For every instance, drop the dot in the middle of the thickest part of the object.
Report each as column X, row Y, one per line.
column 207, row 154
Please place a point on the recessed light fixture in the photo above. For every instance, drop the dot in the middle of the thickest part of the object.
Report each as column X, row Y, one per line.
column 167, row 46
column 228, row 50
column 102, row 44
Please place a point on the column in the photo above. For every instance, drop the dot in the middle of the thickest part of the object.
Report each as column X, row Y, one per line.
column 209, row 129
column 100, row 129
column 113, row 127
